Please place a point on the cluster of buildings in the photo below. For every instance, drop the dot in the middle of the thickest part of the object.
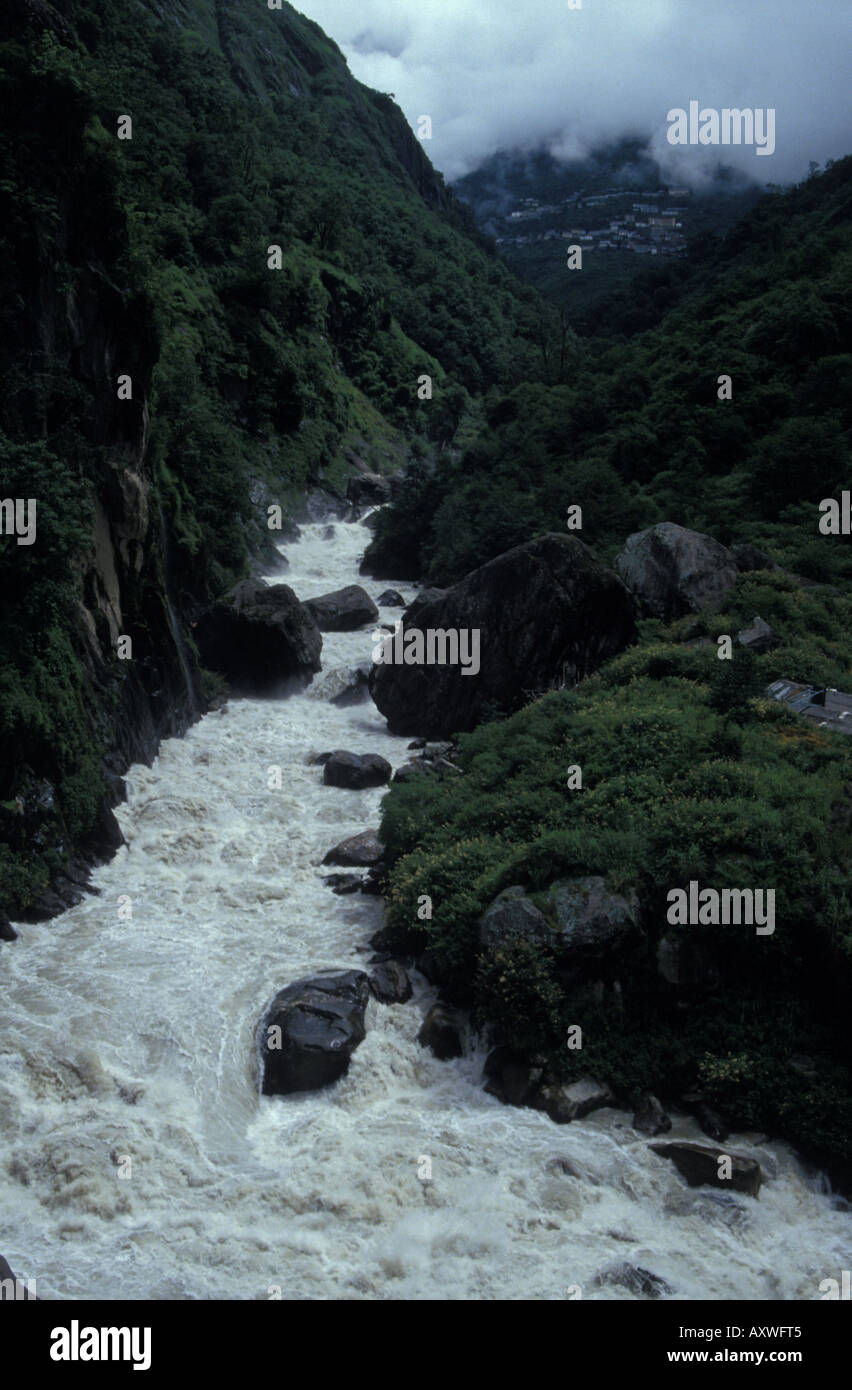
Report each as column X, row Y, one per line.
column 653, row 226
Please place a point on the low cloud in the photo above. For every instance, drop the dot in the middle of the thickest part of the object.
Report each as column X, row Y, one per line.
column 501, row 74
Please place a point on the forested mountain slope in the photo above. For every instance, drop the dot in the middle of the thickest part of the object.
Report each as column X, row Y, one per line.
column 148, row 257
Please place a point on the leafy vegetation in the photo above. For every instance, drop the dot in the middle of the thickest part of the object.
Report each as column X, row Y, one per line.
column 150, row 256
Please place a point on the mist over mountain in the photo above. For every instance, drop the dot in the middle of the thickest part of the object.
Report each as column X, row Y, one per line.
column 505, row 74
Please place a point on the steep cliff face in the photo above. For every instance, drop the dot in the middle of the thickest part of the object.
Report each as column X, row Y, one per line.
column 224, row 264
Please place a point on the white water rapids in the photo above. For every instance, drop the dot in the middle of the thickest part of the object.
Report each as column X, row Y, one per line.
column 136, row 1037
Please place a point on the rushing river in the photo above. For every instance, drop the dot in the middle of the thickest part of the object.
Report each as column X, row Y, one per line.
column 133, row 1038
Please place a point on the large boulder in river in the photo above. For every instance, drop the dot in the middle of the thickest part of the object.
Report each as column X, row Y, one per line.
column 546, row 612
column 356, row 770
column 357, row 852
column 310, row 1030
column 700, row 1165
column 441, row 1031
column 259, row 637
column 344, row 610
column 672, row 571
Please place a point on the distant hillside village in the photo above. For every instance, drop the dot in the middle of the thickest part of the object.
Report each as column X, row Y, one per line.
column 611, row 221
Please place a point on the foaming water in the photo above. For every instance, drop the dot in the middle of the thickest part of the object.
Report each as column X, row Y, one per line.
column 132, row 1038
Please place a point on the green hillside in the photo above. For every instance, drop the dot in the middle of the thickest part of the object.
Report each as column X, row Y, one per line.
column 148, row 257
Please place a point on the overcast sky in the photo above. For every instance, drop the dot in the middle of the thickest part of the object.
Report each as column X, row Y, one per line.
column 498, row 74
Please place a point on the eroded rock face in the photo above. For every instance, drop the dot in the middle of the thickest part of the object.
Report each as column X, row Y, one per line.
column 547, row 612
column 343, row 610
column 700, row 1165
column 259, row 637
column 310, row 1030
column 672, row 571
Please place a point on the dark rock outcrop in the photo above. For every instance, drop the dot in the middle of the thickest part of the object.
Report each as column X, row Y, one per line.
column 310, row 1030
column 7, row 931
column 259, row 637
column 700, row 1166
column 564, row 1103
column 357, row 852
column 748, row 558
column 634, row 1278
column 344, row 685
column 368, row 489
column 391, row 599
column 512, row 1078
column 758, row 638
column 594, row 925
column 389, row 983
column 547, row 612
column 356, row 770
column 343, row 610
column 650, row 1118
column 512, row 917
column 442, row 1031
column 342, row 884
column 672, row 571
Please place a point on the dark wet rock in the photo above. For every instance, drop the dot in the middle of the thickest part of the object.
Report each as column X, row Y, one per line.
column 342, row 610
column 259, row 637
column 390, row 599
column 442, row 1031
column 390, row 984
column 699, row 1165
column 414, row 770
column 634, row 1278
column 329, row 533
column 572, row 1101
column 371, row 521
column 593, row 924
column 356, row 852
column 417, row 743
column 368, row 489
column 711, row 1123
column 344, row 883
column 748, row 558
column 672, row 571
column 513, row 917
column 650, row 1118
column 373, row 883
column 511, row 1077
column 758, row 638
column 427, row 964
column 344, row 685
column 547, row 612
column 321, row 1022
column 7, row 931
column 356, row 770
